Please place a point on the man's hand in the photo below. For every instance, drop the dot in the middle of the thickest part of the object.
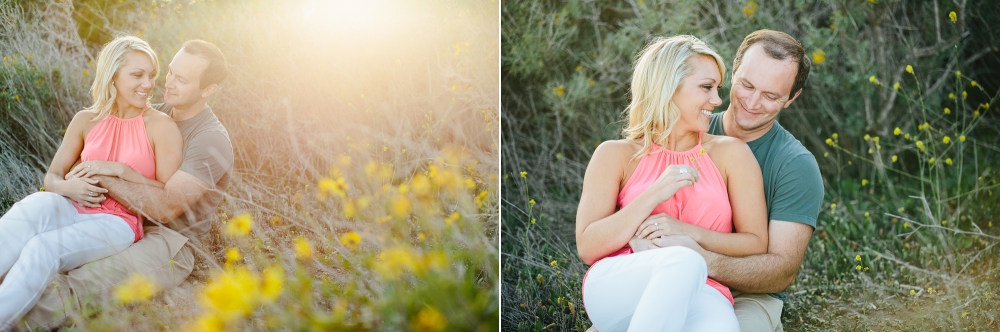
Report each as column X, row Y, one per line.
column 639, row 244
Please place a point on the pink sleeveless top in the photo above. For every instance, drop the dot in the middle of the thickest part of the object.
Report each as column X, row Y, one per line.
column 124, row 141
column 705, row 204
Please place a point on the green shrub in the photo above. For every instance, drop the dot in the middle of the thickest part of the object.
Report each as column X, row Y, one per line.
column 566, row 67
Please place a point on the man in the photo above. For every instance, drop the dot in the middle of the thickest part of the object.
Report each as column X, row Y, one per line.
column 769, row 72
column 185, row 205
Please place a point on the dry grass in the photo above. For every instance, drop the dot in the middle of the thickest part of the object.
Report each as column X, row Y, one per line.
column 399, row 100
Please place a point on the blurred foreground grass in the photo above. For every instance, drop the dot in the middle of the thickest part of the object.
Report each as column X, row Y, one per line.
column 900, row 111
column 365, row 188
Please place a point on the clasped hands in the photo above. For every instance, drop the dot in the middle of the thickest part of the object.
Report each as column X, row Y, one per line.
column 661, row 231
column 83, row 188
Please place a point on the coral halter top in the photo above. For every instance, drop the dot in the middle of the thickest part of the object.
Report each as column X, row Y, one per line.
column 704, row 204
column 124, row 141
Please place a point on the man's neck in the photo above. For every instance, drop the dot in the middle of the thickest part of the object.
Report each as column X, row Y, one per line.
column 732, row 129
column 184, row 113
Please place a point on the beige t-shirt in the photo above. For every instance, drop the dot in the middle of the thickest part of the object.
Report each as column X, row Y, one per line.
column 207, row 155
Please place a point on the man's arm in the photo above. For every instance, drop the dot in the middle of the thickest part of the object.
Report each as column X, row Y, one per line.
column 181, row 192
column 771, row 272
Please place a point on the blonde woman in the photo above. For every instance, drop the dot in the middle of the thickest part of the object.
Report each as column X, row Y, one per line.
column 72, row 222
column 668, row 165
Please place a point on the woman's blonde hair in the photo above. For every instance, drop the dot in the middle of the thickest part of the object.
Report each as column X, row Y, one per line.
column 111, row 59
column 659, row 70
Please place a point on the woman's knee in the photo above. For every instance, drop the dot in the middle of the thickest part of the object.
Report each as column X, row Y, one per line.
column 683, row 259
column 41, row 197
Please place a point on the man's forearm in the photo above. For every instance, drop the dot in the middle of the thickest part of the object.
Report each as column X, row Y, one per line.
column 752, row 274
column 149, row 201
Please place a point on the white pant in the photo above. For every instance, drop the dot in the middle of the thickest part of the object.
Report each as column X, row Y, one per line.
column 656, row 290
column 42, row 235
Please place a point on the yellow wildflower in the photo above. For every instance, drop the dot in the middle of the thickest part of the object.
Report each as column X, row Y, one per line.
column 867, row 137
column 965, row 94
column 909, row 69
column 401, row 206
column 436, row 259
column 524, row 174
column 750, row 8
column 395, row 261
column 554, row 264
column 274, row 280
column 946, row 140
column 302, row 248
column 429, row 319
column 920, row 145
column 206, row 323
column 540, row 279
column 895, row 85
column 961, row 138
column 973, row 84
column 481, row 198
column 867, row 214
column 533, row 221
column 829, row 142
column 897, row 131
column 873, row 80
column 337, row 187
column 559, row 90
column 953, row 16
column 231, row 294
column 531, row 202
column 947, row 161
column 835, row 136
column 894, row 158
column 857, row 258
column 136, row 289
column 819, row 56
column 351, row 240
column 233, row 255
column 864, row 182
column 859, row 267
column 240, row 225
column 931, row 160
column 452, row 218
column 951, row 96
column 947, row 110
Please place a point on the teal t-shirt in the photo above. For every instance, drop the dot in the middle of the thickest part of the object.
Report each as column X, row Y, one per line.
column 793, row 186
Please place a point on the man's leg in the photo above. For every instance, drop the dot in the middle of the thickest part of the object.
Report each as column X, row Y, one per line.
column 758, row 312
column 94, row 283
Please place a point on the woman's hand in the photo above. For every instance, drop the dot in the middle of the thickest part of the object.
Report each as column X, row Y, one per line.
column 673, row 179
column 84, row 191
column 95, row 167
column 661, row 224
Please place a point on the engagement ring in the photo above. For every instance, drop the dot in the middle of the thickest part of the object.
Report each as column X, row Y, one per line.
column 93, row 194
column 683, row 170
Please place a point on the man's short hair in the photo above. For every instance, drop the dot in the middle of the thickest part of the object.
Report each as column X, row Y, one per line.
column 779, row 46
column 217, row 68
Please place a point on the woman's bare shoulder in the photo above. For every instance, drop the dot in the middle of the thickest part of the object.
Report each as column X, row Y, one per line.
column 616, row 149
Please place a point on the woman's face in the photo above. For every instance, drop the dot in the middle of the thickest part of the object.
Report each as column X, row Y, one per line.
column 698, row 94
column 134, row 81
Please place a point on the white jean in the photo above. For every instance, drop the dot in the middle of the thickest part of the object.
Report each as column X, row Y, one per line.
column 42, row 235
column 656, row 290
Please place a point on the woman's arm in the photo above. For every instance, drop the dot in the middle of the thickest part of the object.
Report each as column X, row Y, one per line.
column 68, row 153
column 599, row 229
column 745, row 186
column 167, row 145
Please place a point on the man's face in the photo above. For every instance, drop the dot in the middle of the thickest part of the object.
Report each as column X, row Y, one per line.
column 761, row 88
column 184, row 79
